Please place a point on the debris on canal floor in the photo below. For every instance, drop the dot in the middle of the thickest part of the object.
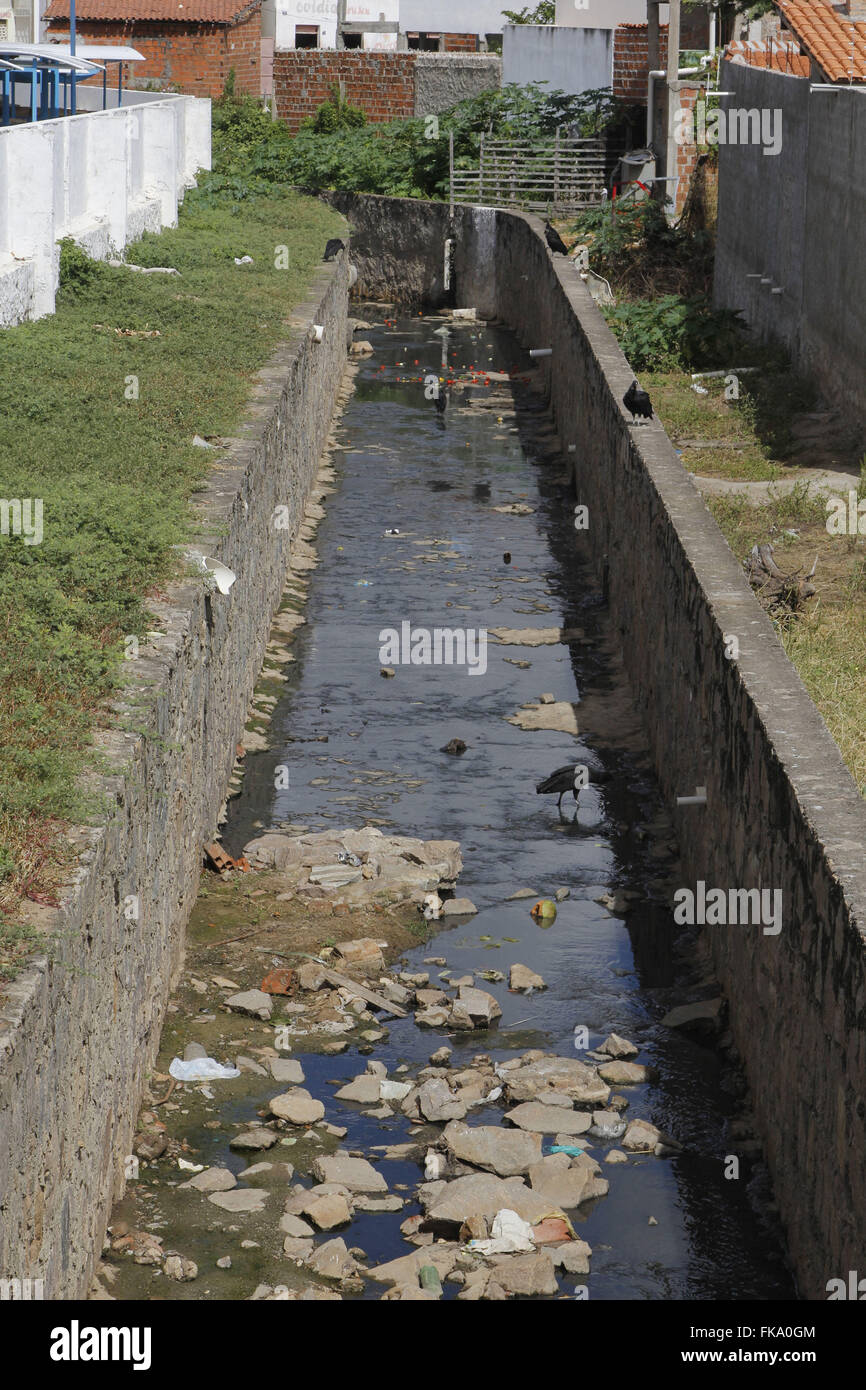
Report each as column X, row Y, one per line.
column 409, row 1121
column 356, row 866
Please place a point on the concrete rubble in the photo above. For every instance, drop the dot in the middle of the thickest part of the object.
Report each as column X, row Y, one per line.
column 495, row 1196
column 355, row 866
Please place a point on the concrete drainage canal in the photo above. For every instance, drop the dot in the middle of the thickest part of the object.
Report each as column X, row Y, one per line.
column 435, row 1090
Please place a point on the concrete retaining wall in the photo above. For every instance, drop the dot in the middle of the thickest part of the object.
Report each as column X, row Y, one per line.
column 796, row 219
column 782, row 810
column 103, row 177
column 79, row 1031
column 568, row 59
column 443, row 79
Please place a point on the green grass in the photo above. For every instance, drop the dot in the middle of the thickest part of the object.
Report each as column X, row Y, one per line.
column 744, row 525
column 17, row 941
column 115, row 475
column 827, row 640
column 758, row 423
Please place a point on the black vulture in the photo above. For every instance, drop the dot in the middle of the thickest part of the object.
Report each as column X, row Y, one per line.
column 563, row 779
column 638, row 402
column 333, row 249
column 554, row 240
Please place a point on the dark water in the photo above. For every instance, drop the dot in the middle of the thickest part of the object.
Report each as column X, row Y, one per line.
column 438, row 478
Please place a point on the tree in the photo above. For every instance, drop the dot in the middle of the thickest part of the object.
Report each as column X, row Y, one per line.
column 544, row 13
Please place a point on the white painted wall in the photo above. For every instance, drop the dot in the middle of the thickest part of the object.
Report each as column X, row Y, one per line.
column 324, row 14
column 455, row 16
column 602, row 14
column 102, row 177
column 568, row 60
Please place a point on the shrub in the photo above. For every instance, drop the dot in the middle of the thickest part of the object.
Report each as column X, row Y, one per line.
column 77, row 270
column 672, row 332
column 336, row 114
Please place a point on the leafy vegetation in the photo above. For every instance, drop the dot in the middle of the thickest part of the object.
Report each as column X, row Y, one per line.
column 336, row 114
column 404, row 158
column 671, row 332
column 661, row 275
column 636, row 248
column 544, row 13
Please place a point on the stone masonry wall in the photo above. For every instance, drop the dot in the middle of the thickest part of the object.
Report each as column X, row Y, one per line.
column 80, row 1029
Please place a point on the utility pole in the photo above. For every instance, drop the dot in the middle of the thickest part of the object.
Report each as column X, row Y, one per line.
column 652, row 30
column 673, row 94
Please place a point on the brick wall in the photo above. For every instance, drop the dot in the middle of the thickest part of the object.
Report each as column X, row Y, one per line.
column 382, row 84
column 192, row 58
column 630, row 73
column 631, row 60
column 687, row 155
column 453, row 43
column 465, row 43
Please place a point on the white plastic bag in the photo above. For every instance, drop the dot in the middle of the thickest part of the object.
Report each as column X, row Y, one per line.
column 201, row 1069
column 509, row 1235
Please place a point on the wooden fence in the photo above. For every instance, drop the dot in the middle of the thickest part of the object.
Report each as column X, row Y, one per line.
column 559, row 175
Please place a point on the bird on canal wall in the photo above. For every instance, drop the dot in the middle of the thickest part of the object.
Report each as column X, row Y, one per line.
column 554, row 240
column 638, row 402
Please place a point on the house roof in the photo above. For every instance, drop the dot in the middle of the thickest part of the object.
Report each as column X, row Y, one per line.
column 177, row 11
column 828, row 38
column 779, row 54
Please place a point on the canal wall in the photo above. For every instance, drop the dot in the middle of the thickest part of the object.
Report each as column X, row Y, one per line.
column 782, row 811
column 80, row 1028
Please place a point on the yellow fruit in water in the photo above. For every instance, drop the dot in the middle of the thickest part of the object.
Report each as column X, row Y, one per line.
column 544, row 912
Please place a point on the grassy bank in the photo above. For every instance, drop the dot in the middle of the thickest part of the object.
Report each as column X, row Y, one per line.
column 826, row 640
column 98, row 408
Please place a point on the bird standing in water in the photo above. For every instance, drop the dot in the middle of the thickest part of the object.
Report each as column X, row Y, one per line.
column 554, row 240
column 638, row 402
column 571, row 778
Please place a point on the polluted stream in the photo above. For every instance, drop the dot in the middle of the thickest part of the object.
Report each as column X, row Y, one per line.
column 457, row 518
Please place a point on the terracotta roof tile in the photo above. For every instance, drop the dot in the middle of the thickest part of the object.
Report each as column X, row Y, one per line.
column 838, row 46
column 176, row 11
column 782, row 55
